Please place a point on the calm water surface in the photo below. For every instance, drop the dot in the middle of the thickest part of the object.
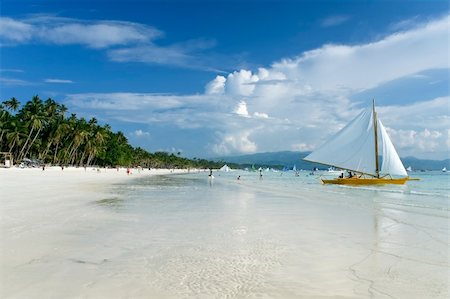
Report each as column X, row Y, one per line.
column 279, row 237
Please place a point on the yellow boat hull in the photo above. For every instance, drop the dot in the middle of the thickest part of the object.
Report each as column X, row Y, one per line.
column 365, row 181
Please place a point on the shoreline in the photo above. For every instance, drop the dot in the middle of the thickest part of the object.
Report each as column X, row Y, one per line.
column 22, row 183
column 9, row 177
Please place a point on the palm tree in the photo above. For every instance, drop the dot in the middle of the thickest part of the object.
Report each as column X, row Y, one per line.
column 54, row 117
column 12, row 104
column 62, row 130
column 15, row 136
column 41, row 129
column 5, row 119
column 100, row 138
column 80, row 134
column 33, row 116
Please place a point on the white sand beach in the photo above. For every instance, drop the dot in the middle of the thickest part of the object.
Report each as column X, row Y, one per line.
column 41, row 212
column 100, row 234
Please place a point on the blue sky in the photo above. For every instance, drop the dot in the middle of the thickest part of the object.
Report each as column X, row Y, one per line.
column 215, row 78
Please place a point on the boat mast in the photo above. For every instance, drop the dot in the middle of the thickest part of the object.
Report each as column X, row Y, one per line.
column 375, row 128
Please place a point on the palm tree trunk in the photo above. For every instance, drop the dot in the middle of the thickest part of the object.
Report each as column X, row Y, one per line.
column 12, row 146
column 26, row 142
column 72, row 153
column 67, row 152
column 56, row 152
column 34, row 139
column 44, row 154
column 82, row 158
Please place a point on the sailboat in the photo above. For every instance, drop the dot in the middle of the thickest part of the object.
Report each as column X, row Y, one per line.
column 355, row 149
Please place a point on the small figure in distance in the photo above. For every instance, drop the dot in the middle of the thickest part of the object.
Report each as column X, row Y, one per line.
column 260, row 174
column 239, row 177
column 350, row 175
column 341, row 176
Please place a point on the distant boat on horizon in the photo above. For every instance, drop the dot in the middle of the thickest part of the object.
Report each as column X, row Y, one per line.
column 444, row 169
column 332, row 170
column 355, row 149
column 225, row 168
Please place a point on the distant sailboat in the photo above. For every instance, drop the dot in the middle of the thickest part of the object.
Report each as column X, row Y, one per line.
column 225, row 168
column 444, row 169
column 355, row 149
column 332, row 170
column 409, row 169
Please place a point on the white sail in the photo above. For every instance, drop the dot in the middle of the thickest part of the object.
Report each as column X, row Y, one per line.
column 391, row 161
column 225, row 168
column 351, row 148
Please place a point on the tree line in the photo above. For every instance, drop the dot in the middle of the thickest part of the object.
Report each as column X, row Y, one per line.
column 41, row 130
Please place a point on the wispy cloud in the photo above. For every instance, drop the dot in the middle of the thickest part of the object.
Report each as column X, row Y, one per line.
column 334, row 20
column 11, row 71
column 65, row 31
column 58, row 81
column 190, row 54
column 368, row 65
column 14, row 82
column 122, row 41
column 407, row 24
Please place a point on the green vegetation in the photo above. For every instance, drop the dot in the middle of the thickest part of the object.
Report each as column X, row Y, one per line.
column 40, row 130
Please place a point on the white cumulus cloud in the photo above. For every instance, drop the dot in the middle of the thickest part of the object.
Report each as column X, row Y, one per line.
column 140, row 133
column 238, row 142
column 241, row 109
column 216, row 86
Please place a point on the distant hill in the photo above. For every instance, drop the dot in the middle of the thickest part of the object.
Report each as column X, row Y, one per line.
column 419, row 164
column 289, row 159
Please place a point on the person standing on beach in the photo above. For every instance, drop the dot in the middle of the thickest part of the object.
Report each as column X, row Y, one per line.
column 260, row 174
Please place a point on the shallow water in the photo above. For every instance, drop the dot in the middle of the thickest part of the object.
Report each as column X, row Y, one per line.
column 185, row 236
